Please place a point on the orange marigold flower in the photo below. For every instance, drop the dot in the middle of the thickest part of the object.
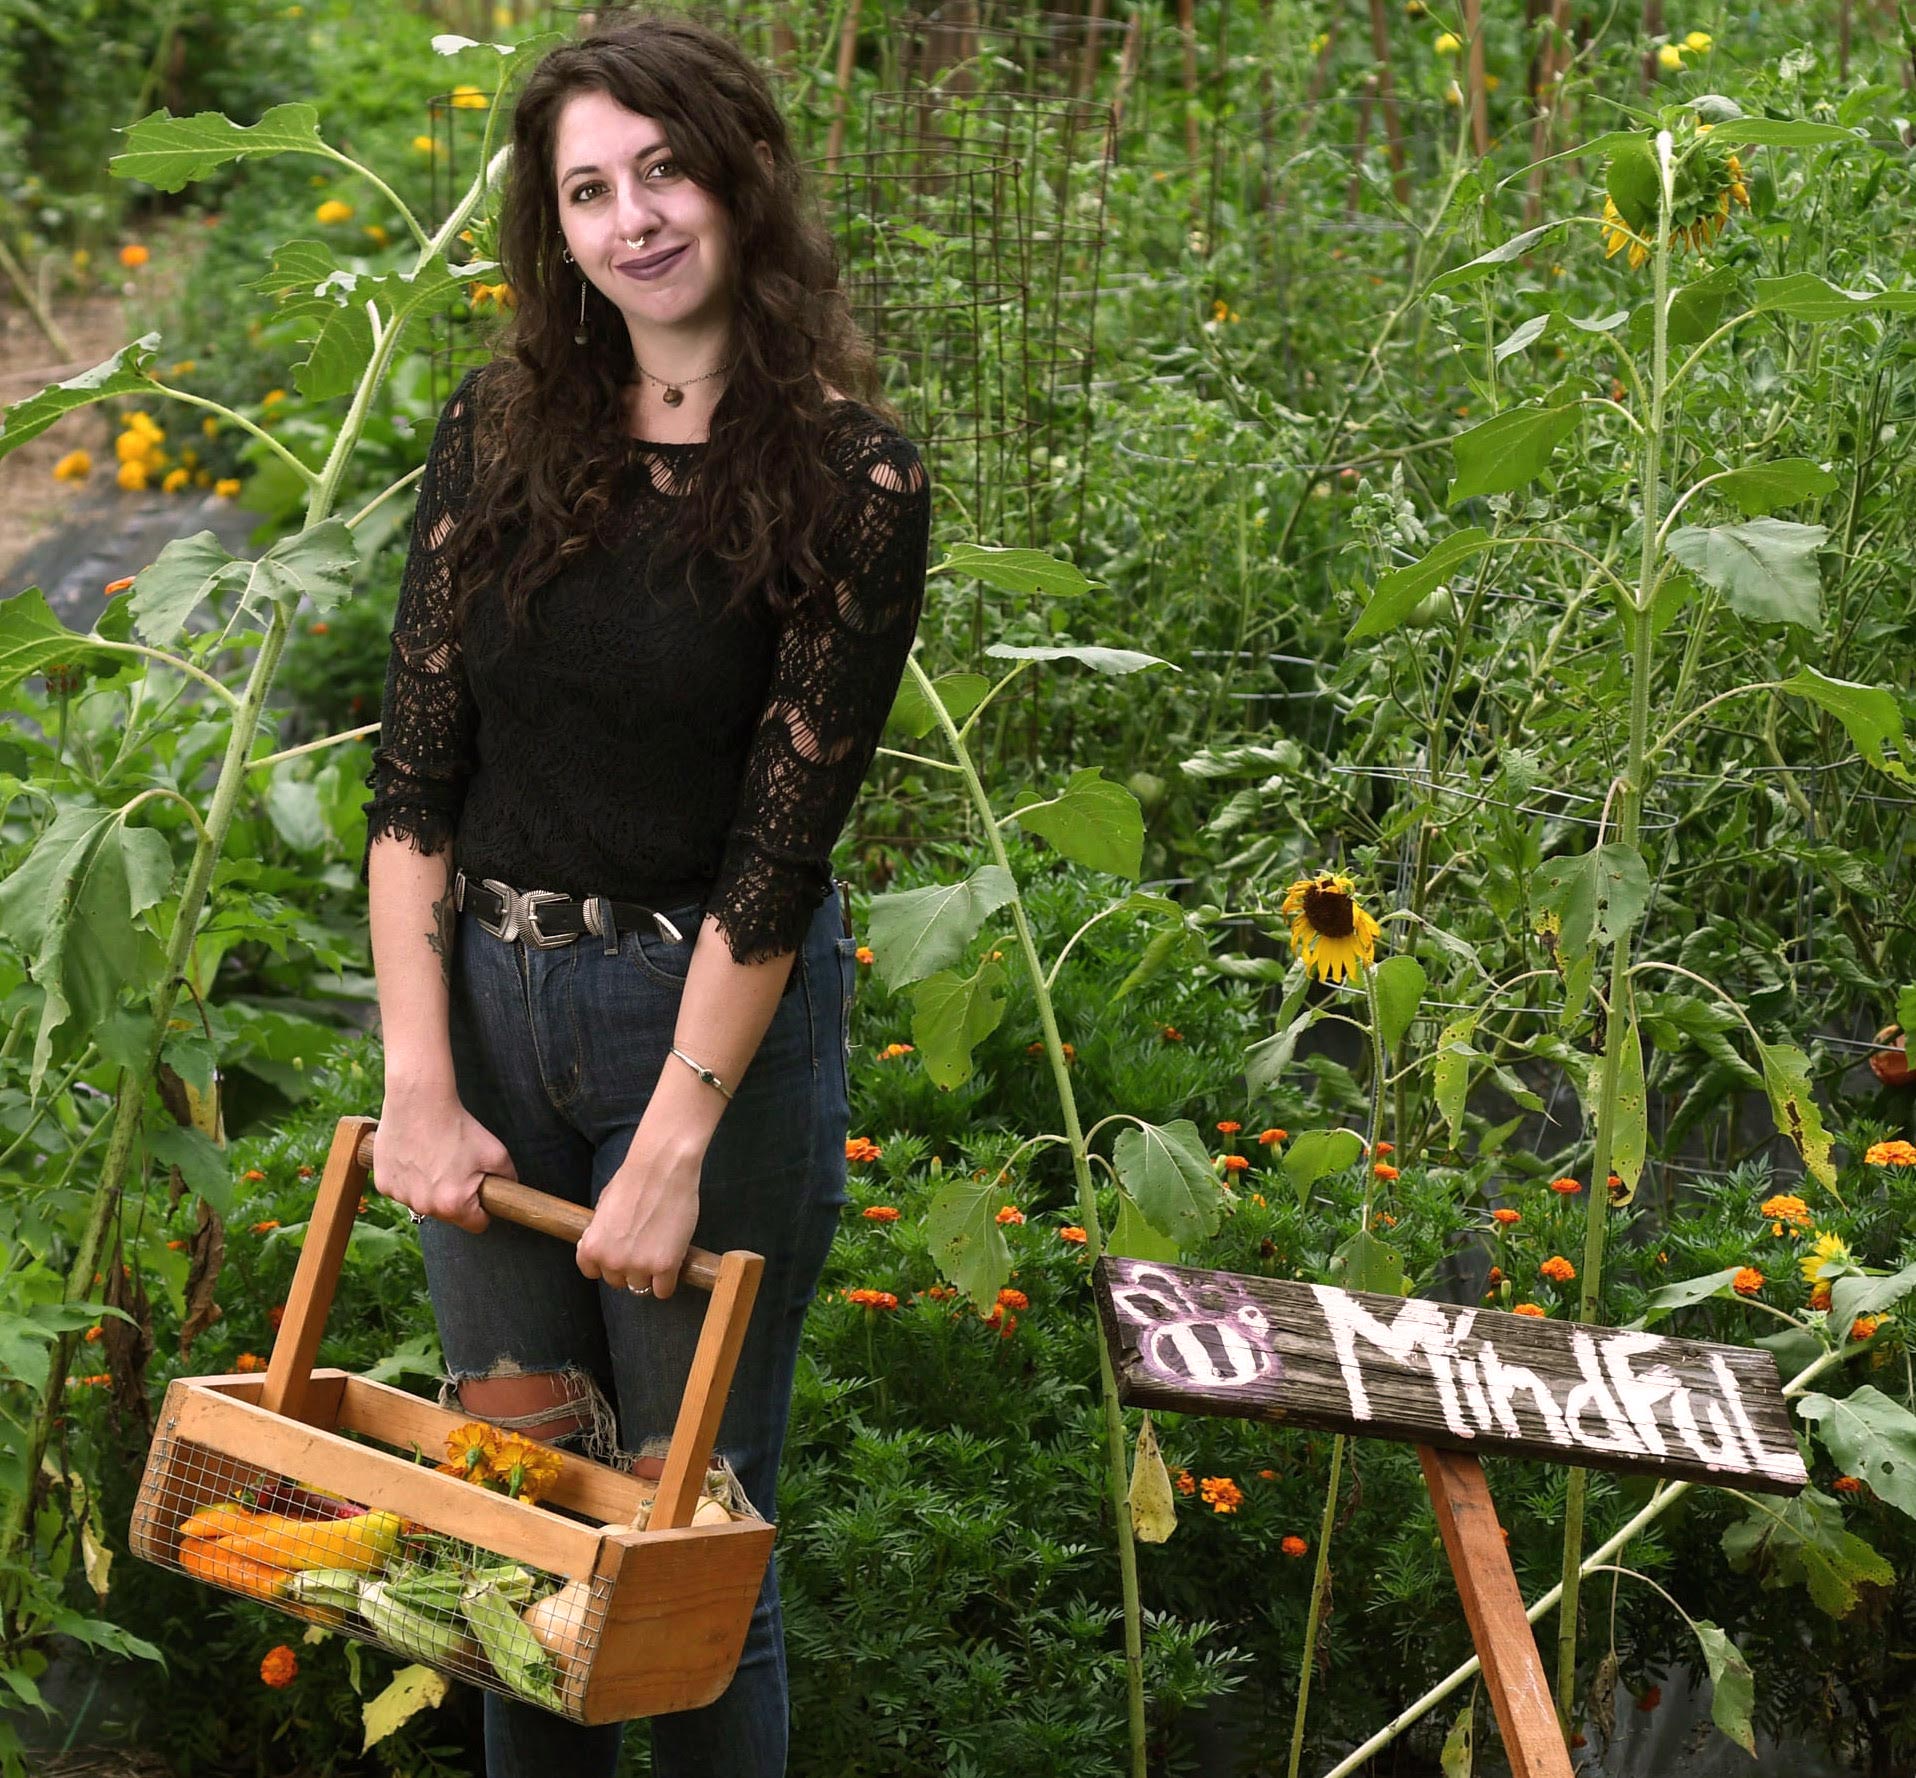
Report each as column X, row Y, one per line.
column 1184, row 1481
column 1072, row 1233
column 280, row 1668
column 1820, row 1296
column 1037, row 1049
column 1267, row 1475
column 1221, row 1494
column 939, row 1292
column 870, row 1299
column 1786, row 1208
column 1010, row 1215
column 1234, row 1163
column 1847, row 1484
column 1384, row 1170
column 1171, row 1034
column 1506, row 1218
column 115, row 587
column 175, row 1246
column 1383, row 1148
column 1747, row 1282
column 1651, row 1699
column 1388, row 1220
column 1529, row 1309
column 880, row 1212
column 133, row 256
column 266, row 1227
column 1495, row 1275
column 864, row 955
column 304, row 1172
column 1862, row 1328
column 1013, row 1299
column 1271, row 1138
column 1558, row 1269
column 276, row 1314
column 1565, row 1187
column 861, row 1148
column 249, row 1361
column 1891, row 1154
column 1229, row 1127
column 95, row 1332
column 892, row 1051
column 1294, row 1546
column 254, row 1175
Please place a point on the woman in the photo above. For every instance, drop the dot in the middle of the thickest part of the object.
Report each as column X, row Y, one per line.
column 663, row 580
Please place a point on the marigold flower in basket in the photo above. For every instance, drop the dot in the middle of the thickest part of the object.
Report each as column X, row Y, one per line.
column 1329, row 931
column 1221, row 1494
column 522, row 1469
column 1558, row 1269
column 470, row 1449
column 1747, row 1282
column 1891, row 1154
column 280, row 1667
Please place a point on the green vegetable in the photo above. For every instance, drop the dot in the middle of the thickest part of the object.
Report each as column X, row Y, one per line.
column 426, row 1632
column 513, row 1650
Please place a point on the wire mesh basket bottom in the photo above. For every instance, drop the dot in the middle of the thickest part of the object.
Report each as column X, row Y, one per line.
column 376, row 1576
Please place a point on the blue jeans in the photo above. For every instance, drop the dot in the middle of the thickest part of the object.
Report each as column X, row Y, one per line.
column 555, row 1052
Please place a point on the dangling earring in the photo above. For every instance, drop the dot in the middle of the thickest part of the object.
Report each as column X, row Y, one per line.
column 579, row 338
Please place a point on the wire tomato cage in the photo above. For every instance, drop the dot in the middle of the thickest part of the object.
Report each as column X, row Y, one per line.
column 494, row 1558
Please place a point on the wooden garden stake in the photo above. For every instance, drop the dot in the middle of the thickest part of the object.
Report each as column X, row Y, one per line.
column 841, row 95
column 1479, row 95
column 1545, row 94
column 1652, row 29
column 1187, row 31
column 1355, row 189
column 1086, row 77
column 1387, row 97
column 1456, row 1382
column 1127, row 73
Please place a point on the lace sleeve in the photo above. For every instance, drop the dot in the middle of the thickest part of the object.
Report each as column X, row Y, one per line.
column 424, row 756
column 840, row 657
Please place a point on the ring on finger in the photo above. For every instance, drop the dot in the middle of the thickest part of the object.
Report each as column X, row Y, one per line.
column 418, row 1216
column 640, row 1289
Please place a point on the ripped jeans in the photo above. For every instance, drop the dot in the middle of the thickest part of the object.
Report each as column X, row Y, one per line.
column 555, row 1052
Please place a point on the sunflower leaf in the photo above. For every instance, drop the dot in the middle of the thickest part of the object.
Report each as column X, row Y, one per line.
column 1873, row 1437
column 1758, row 488
column 1509, row 449
column 1766, row 568
column 951, row 1016
column 1634, row 184
column 1453, row 1058
column 167, row 151
column 966, row 1243
column 1868, row 712
column 917, row 932
column 1733, row 1685
column 1806, row 1540
column 1810, row 298
column 1166, row 1171
column 1318, row 1152
column 1598, row 895
column 1400, row 983
column 1134, row 1238
column 1153, row 1507
column 1365, row 1263
column 1786, row 1077
column 1092, row 822
column 1630, row 1136
column 1398, row 593
column 1015, row 570
column 1485, row 263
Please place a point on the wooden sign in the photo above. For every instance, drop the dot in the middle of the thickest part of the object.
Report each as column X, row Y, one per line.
column 1438, row 1374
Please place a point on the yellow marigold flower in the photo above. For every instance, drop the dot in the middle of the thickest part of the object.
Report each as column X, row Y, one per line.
column 132, row 477
column 470, row 1448
column 175, row 480
column 1697, row 42
column 423, row 144
column 1669, row 57
column 1333, row 935
column 75, row 466
column 1826, row 1253
column 527, row 1470
column 227, row 488
column 272, row 398
column 81, row 259
column 1448, row 43
column 1320, row 43
column 333, row 210
column 1890, row 1154
column 133, row 256
column 468, row 98
column 1221, row 1494
column 210, row 426
column 377, row 235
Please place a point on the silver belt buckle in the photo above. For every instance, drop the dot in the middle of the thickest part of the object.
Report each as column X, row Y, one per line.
column 528, row 910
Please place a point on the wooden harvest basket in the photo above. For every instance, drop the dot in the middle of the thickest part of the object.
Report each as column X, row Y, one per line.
column 629, row 1622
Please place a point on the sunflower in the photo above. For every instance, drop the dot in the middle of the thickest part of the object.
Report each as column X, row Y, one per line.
column 1333, row 935
column 1708, row 180
column 1827, row 1253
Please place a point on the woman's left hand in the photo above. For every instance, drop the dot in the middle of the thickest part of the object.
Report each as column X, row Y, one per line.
column 645, row 1217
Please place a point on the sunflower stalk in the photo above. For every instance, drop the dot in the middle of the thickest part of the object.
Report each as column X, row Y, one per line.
column 1619, row 1024
column 1116, row 1465
column 1321, row 1577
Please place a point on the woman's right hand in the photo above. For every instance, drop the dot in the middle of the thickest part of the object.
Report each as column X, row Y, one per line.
column 430, row 1154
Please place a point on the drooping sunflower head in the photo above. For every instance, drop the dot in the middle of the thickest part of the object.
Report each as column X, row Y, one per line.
column 1329, row 931
column 1708, row 178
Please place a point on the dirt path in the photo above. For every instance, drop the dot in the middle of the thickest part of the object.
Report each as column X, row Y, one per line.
column 97, row 323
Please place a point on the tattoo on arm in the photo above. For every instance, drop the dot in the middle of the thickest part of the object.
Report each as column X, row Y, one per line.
column 441, row 935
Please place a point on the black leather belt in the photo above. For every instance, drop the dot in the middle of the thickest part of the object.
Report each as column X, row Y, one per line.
column 545, row 918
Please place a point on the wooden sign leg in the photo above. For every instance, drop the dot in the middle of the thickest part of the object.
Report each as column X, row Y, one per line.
column 1494, row 1609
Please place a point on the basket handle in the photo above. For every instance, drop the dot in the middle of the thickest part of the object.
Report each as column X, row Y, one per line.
column 731, row 1278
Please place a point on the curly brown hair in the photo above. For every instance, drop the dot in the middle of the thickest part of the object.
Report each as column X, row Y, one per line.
column 763, row 494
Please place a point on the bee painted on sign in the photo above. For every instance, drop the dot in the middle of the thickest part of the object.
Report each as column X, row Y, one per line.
column 1436, row 1373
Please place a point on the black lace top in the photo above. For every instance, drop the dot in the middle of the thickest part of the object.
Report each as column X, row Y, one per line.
column 637, row 743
